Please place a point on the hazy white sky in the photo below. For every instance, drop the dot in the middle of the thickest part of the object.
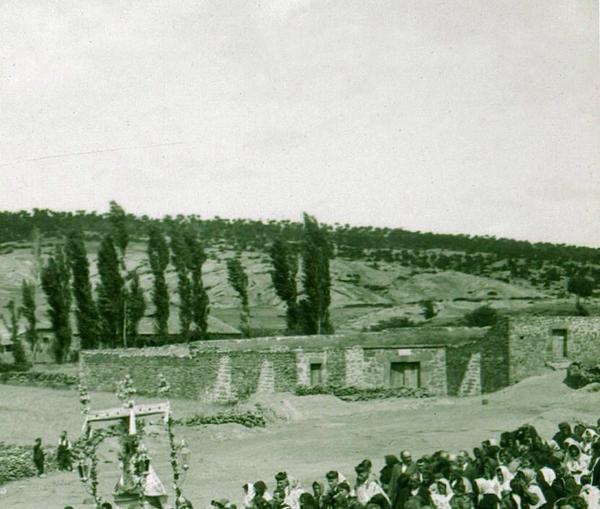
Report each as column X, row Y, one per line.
column 474, row 116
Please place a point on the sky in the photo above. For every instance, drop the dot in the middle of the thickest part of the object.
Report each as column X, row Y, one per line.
column 470, row 116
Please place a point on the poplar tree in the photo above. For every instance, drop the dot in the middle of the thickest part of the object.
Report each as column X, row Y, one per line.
column 238, row 279
column 181, row 260
column 200, row 301
column 158, row 255
column 12, row 326
column 86, row 312
column 136, row 307
column 56, row 278
column 316, row 254
column 283, row 275
column 36, row 251
column 110, row 293
column 28, row 309
column 118, row 221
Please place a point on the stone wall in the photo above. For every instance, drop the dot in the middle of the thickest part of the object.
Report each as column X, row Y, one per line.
column 189, row 378
column 227, row 370
column 530, row 343
column 471, row 383
column 460, row 365
column 354, row 359
column 495, row 358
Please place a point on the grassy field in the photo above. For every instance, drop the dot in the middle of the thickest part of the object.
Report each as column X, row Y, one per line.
column 321, row 433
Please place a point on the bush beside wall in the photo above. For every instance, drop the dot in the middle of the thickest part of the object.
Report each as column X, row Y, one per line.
column 358, row 394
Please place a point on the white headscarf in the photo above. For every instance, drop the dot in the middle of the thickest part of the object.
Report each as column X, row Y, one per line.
column 248, row 495
column 292, row 498
column 506, row 478
column 589, row 437
column 441, row 501
column 591, row 495
column 548, row 474
column 577, row 466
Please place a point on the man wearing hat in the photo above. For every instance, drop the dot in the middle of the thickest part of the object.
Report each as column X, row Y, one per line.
column 282, row 485
column 333, row 478
column 290, row 489
column 366, row 487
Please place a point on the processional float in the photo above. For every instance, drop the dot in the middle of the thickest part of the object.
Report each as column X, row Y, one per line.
column 138, row 485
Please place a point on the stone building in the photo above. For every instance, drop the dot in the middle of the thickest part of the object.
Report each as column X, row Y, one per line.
column 442, row 360
column 453, row 361
column 519, row 347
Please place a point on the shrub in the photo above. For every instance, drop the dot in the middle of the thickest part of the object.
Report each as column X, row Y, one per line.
column 396, row 322
column 248, row 419
column 16, row 462
column 311, row 390
column 39, row 378
column 363, row 394
column 428, row 309
column 482, row 317
column 355, row 394
column 12, row 368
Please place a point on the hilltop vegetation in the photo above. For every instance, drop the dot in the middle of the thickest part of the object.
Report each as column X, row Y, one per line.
column 379, row 276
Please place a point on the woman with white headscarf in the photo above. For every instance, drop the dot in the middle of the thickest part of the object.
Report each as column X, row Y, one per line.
column 248, row 491
column 588, row 437
column 292, row 493
column 535, row 495
column 503, row 476
column 441, row 494
column 589, row 493
column 576, row 462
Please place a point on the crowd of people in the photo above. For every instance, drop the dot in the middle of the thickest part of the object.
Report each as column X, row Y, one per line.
column 519, row 471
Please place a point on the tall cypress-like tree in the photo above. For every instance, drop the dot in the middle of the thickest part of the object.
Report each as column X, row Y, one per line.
column 200, row 301
column 158, row 255
column 181, row 260
column 110, row 294
column 136, row 307
column 86, row 312
column 283, row 275
column 118, row 221
column 12, row 326
column 239, row 281
column 36, row 251
column 56, row 278
column 316, row 254
column 28, row 309
column 120, row 233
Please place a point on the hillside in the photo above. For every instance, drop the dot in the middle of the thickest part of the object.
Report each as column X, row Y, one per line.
column 378, row 274
column 364, row 292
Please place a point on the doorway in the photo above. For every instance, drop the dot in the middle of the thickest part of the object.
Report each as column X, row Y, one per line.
column 559, row 343
column 316, row 373
column 405, row 374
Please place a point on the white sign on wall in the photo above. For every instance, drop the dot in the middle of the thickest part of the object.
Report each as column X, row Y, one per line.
column 404, row 351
